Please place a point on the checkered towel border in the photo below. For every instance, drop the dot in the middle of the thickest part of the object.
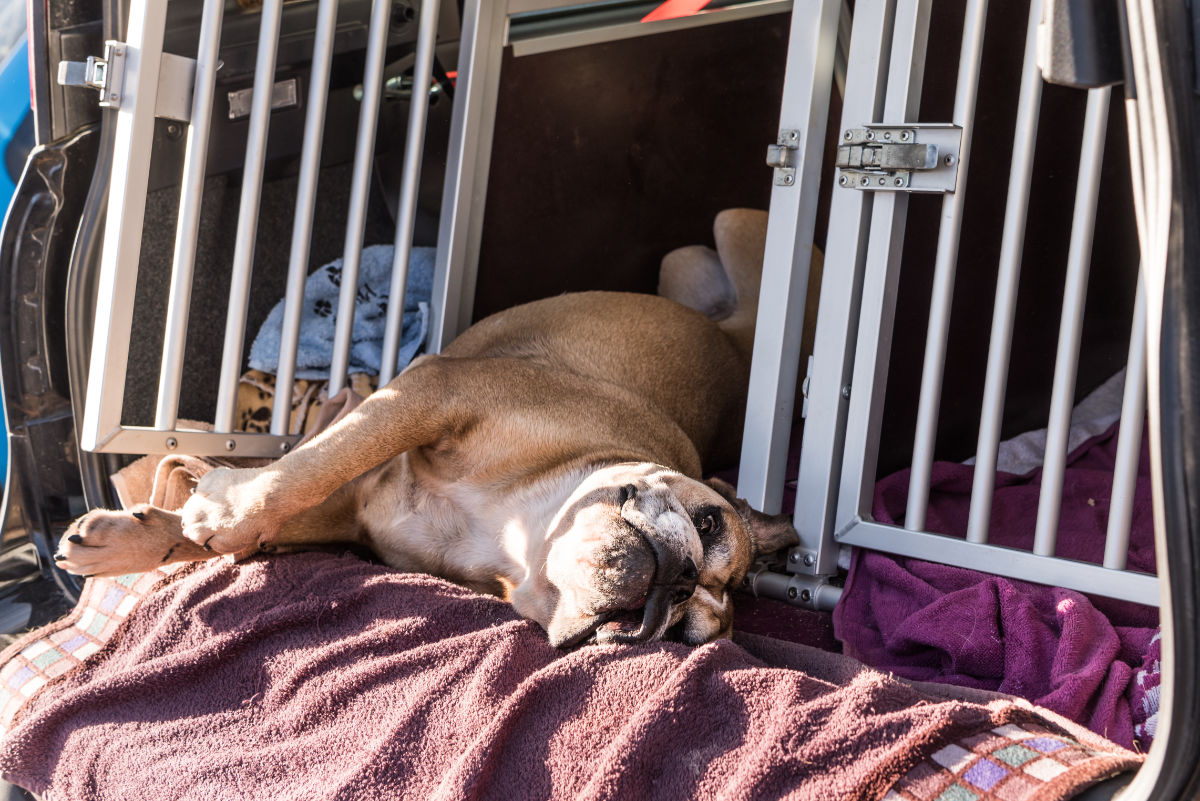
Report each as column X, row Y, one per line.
column 1010, row 763
column 53, row 650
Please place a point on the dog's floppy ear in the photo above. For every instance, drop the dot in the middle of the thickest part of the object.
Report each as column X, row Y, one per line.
column 770, row 532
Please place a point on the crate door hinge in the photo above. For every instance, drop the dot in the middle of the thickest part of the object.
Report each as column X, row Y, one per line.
column 782, row 156
column 176, row 80
column 900, row 158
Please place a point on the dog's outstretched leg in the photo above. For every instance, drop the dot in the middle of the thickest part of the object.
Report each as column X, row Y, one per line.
column 232, row 511
column 107, row 543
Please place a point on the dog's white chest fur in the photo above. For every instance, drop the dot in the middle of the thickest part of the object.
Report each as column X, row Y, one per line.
column 462, row 530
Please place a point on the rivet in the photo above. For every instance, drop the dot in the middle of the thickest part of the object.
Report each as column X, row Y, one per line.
column 113, row 97
column 904, row 135
column 887, row 135
column 787, row 179
column 230, row 444
column 882, row 181
column 846, row 391
column 805, row 596
column 810, row 559
column 871, row 136
column 284, row 447
column 793, row 135
column 792, row 593
column 172, row 443
column 864, row 181
column 843, row 180
column 795, row 556
column 949, row 161
column 848, row 135
column 899, row 182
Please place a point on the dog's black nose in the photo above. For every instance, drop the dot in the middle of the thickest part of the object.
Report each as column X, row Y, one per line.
column 685, row 584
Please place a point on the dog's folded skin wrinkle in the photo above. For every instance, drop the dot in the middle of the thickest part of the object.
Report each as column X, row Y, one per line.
column 551, row 455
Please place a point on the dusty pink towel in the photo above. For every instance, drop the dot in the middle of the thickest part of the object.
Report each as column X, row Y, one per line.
column 319, row 676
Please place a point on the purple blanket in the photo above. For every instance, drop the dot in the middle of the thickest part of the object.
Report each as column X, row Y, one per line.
column 1086, row 658
column 318, row 676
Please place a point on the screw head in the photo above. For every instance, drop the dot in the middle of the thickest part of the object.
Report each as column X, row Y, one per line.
column 810, row 559
column 805, row 596
column 795, row 556
column 864, row 181
column 793, row 135
column 848, row 135
column 844, row 180
column 284, row 447
column 846, row 391
column 904, row 136
column 948, row 161
column 882, row 181
column 899, row 182
column 887, row 135
column 870, row 136
column 230, row 444
column 172, row 443
column 787, row 179
column 792, row 593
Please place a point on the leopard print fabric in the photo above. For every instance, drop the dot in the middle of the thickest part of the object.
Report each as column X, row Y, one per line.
column 256, row 400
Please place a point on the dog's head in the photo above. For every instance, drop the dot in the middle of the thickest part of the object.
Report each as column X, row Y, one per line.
column 640, row 552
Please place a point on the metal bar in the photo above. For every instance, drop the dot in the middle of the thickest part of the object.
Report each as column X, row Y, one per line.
column 788, row 251
column 406, row 216
column 838, row 311
column 247, row 230
column 1003, row 313
column 191, row 197
column 527, row 42
column 467, row 163
column 360, row 187
column 133, row 137
column 1129, row 441
column 881, row 273
column 1126, row 585
column 138, row 439
column 306, row 199
column 944, row 266
column 1062, row 397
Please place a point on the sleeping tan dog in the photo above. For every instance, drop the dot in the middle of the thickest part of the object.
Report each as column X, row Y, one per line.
column 551, row 455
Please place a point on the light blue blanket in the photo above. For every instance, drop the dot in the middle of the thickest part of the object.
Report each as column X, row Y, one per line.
column 370, row 316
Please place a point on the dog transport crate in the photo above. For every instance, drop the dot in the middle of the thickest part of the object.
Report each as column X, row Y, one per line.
column 885, row 168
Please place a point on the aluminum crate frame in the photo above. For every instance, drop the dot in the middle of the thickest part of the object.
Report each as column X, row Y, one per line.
column 135, row 79
column 849, row 370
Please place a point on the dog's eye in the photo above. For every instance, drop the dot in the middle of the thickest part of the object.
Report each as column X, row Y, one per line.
column 707, row 522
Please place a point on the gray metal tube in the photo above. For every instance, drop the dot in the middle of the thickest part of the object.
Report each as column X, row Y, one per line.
column 247, row 230
column 1129, row 441
column 1003, row 313
column 191, row 196
column 306, row 199
column 414, row 148
column 1079, row 256
column 360, row 187
column 943, row 276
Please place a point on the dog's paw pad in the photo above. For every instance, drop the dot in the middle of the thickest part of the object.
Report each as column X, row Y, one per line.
column 113, row 543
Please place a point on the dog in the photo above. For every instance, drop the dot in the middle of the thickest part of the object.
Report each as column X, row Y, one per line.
column 552, row 455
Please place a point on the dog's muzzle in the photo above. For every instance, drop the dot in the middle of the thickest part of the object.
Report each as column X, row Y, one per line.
column 674, row 580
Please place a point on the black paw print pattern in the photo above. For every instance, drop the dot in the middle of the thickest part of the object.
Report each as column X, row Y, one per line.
column 335, row 275
column 323, row 308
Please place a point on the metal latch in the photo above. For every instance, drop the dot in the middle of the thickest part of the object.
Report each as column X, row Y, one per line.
column 782, row 156
column 176, row 80
column 916, row 158
column 106, row 75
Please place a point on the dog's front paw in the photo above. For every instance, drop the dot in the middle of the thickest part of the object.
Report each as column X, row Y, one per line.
column 230, row 511
column 108, row 543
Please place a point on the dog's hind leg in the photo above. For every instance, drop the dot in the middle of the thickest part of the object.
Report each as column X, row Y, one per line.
column 114, row 543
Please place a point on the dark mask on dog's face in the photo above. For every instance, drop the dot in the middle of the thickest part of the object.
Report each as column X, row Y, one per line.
column 640, row 552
